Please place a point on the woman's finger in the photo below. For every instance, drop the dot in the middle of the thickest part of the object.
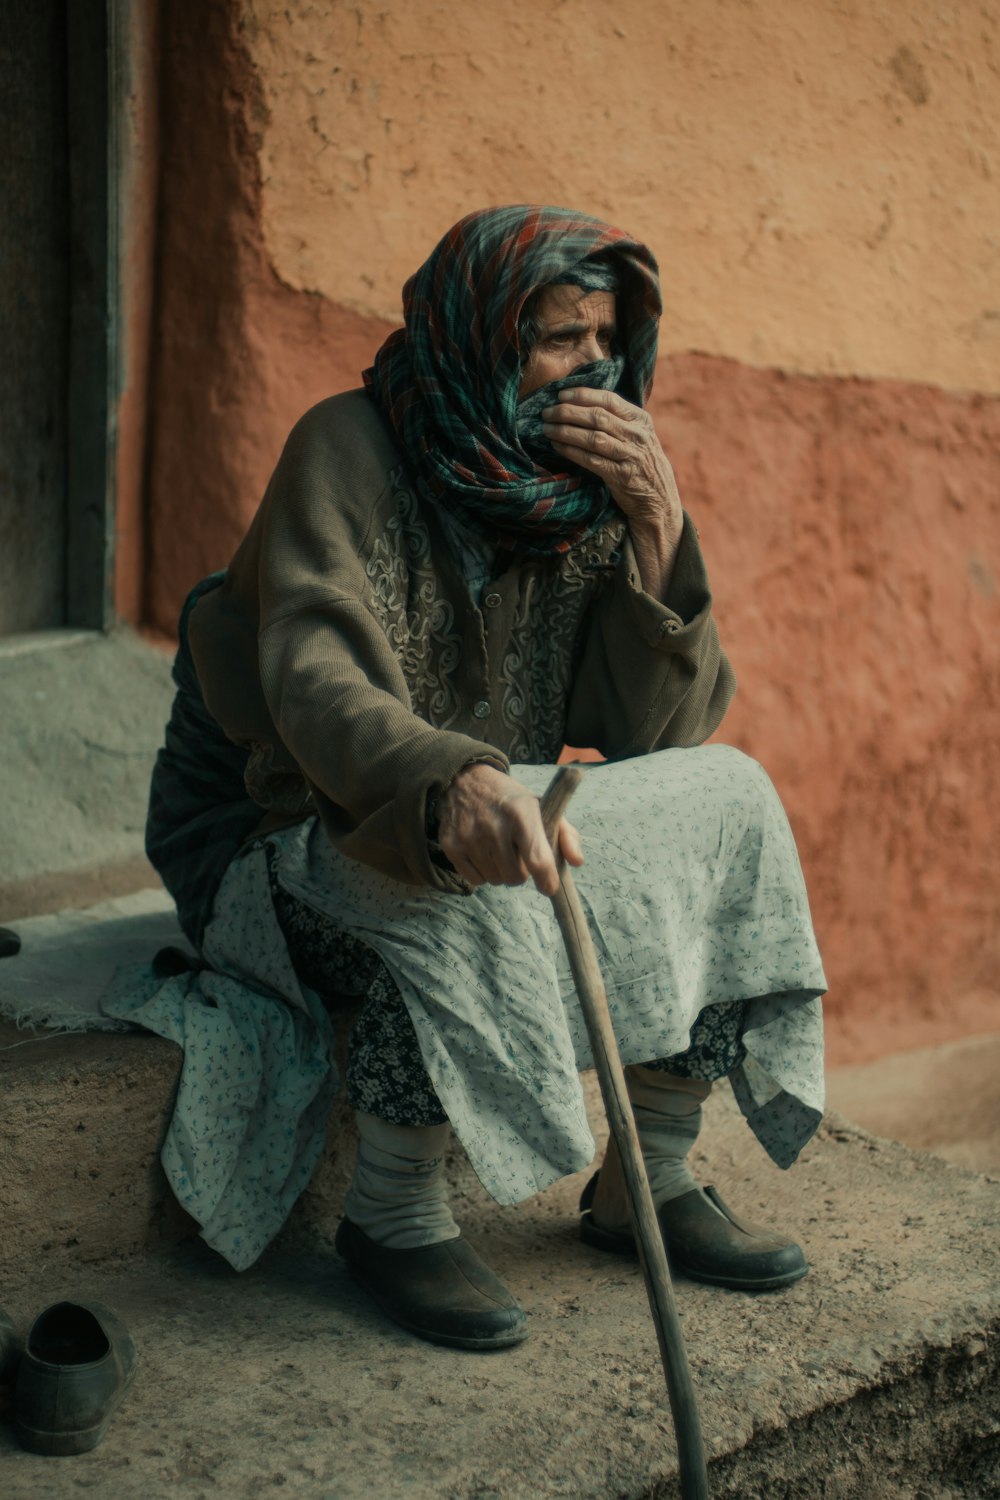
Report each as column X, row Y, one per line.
column 575, row 414
column 604, row 468
column 569, row 843
column 485, row 858
column 503, row 862
column 538, row 858
column 464, row 861
column 516, row 872
column 521, row 814
column 468, row 871
column 593, row 439
column 588, row 395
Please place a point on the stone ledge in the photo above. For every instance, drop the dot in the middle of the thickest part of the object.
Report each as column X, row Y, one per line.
column 76, row 773
column 876, row 1377
column 80, row 1132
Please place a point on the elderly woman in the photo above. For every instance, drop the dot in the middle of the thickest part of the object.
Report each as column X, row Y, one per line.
column 476, row 559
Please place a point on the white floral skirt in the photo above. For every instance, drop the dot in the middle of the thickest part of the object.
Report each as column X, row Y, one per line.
column 695, row 900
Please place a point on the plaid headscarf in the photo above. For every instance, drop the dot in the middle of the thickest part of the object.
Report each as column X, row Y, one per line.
column 448, row 380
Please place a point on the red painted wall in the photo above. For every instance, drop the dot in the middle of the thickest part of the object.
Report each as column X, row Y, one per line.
column 851, row 526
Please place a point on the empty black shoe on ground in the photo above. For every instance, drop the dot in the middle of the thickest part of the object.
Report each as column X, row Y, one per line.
column 77, row 1364
column 444, row 1292
column 706, row 1241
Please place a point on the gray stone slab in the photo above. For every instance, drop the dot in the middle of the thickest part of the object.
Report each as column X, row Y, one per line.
column 68, row 958
column 83, row 717
column 875, row 1377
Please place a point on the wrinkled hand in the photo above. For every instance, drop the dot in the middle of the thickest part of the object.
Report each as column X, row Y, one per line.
column 602, row 432
column 490, row 827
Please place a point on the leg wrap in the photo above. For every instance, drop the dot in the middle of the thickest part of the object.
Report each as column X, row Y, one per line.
column 397, row 1195
column 668, row 1118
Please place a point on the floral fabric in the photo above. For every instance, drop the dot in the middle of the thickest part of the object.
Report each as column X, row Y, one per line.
column 695, row 900
column 698, row 910
column 385, row 1071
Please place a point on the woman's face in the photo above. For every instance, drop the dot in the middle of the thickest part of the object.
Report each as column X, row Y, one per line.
column 576, row 328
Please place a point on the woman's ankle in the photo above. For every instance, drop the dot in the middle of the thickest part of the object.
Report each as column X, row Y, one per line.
column 667, row 1113
column 398, row 1196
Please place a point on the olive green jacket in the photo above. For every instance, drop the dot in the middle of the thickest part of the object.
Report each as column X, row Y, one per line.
column 345, row 651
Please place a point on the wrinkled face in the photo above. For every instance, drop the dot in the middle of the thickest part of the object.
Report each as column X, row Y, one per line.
column 577, row 328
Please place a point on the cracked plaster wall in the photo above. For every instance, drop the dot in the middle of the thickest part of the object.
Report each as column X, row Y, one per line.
column 819, row 180
column 816, row 182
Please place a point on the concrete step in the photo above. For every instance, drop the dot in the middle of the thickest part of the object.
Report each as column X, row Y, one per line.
column 875, row 1377
column 81, row 1123
column 83, row 1116
column 76, row 776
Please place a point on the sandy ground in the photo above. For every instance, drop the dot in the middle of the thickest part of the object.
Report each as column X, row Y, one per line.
column 875, row 1378
column 944, row 1099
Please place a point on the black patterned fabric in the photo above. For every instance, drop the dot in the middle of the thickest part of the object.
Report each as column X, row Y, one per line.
column 385, row 1071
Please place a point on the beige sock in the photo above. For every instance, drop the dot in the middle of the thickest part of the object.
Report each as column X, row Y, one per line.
column 397, row 1194
column 667, row 1113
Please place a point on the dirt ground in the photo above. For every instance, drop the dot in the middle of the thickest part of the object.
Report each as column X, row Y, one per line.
column 873, row 1379
column 876, row 1378
column 944, row 1099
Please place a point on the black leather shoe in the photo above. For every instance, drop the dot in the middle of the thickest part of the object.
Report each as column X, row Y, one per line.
column 78, row 1362
column 10, row 1354
column 442, row 1292
column 706, row 1241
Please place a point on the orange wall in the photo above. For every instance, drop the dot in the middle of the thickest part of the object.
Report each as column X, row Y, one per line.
column 827, row 395
column 819, row 178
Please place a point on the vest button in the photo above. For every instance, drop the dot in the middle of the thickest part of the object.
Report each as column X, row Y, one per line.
column 492, row 600
column 482, row 709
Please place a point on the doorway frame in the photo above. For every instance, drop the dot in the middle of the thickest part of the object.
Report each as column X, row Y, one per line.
column 97, row 94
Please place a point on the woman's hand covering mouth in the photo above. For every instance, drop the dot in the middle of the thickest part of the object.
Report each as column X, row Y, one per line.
column 600, row 375
column 604, row 433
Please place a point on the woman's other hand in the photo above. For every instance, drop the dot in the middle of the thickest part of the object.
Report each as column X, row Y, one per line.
column 490, row 827
column 602, row 432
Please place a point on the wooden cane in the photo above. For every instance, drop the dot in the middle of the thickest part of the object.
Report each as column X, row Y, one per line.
column 652, row 1255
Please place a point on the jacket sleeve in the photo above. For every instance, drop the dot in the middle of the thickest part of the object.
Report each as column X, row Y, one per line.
column 333, row 686
column 652, row 675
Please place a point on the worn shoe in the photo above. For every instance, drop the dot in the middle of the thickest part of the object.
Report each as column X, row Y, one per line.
column 442, row 1292
column 706, row 1241
column 78, row 1362
column 10, row 1354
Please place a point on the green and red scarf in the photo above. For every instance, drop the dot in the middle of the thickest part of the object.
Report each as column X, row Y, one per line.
column 448, row 380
